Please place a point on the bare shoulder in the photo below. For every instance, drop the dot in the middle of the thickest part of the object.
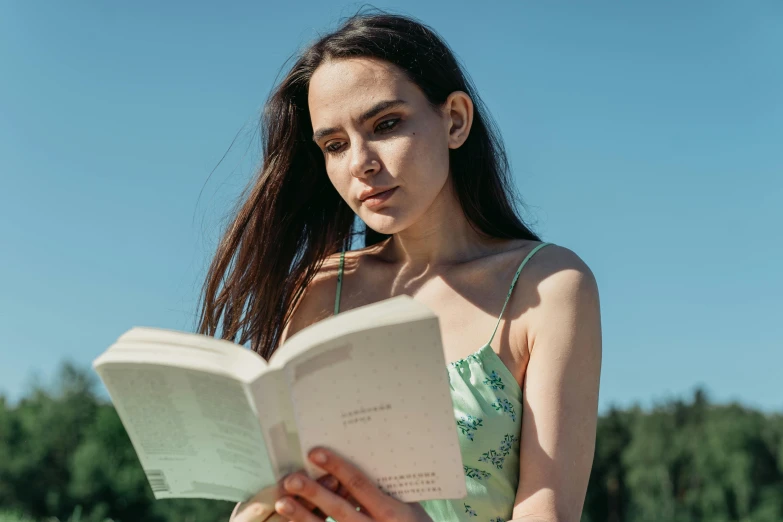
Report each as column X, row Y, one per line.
column 557, row 273
column 555, row 287
column 562, row 297
column 318, row 300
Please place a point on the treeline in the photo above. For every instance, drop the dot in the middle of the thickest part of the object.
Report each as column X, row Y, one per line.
column 63, row 450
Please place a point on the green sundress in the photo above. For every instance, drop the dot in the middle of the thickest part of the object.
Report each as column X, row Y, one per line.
column 487, row 410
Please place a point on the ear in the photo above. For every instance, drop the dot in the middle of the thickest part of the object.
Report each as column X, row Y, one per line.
column 458, row 114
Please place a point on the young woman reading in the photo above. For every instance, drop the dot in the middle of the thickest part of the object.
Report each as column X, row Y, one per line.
column 378, row 120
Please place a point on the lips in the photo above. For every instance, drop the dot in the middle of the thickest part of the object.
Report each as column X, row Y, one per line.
column 378, row 198
column 373, row 192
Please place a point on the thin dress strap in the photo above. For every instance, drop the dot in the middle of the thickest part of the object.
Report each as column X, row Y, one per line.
column 339, row 283
column 513, row 282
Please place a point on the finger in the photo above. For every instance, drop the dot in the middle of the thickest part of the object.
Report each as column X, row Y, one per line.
column 253, row 512
column 369, row 496
column 327, row 481
column 292, row 510
column 328, row 502
column 260, row 507
column 330, row 482
column 342, row 491
column 277, row 517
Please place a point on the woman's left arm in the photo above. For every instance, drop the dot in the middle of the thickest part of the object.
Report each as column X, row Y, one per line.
column 560, row 404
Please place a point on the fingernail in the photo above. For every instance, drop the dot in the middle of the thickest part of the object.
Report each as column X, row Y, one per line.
column 284, row 506
column 319, row 457
column 294, row 483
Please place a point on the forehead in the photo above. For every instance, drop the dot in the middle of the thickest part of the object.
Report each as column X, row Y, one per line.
column 347, row 87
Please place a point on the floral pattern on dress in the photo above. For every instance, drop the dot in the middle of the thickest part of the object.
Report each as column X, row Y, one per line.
column 498, row 519
column 497, row 457
column 469, row 510
column 494, row 382
column 505, row 406
column 493, row 457
column 476, row 473
column 508, row 441
column 468, row 424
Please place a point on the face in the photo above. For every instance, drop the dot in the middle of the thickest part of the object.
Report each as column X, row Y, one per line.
column 378, row 132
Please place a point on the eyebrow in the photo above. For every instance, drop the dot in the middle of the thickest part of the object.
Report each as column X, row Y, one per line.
column 374, row 111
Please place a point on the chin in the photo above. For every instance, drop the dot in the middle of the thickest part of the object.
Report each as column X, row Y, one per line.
column 383, row 223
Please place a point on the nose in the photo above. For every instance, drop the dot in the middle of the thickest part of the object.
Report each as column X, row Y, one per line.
column 364, row 160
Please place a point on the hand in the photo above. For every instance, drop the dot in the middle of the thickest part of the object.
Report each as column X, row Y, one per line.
column 373, row 503
column 262, row 506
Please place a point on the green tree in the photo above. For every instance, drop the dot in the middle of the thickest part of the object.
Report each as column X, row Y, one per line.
column 64, row 452
column 607, row 499
column 105, row 475
column 40, row 435
column 696, row 461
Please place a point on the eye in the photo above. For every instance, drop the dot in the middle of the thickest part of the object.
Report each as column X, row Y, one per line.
column 387, row 125
column 333, row 148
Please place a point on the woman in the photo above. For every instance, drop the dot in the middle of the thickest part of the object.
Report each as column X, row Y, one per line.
column 377, row 120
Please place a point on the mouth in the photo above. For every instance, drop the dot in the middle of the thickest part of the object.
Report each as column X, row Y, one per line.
column 366, row 195
column 378, row 198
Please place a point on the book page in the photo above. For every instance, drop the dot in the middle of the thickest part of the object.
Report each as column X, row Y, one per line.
column 381, row 398
column 187, row 350
column 276, row 413
column 395, row 310
column 196, row 433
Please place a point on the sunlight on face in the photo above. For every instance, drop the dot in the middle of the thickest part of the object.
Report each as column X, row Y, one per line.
column 378, row 131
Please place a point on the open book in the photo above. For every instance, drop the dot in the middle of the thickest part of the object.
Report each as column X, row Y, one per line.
column 211, row 419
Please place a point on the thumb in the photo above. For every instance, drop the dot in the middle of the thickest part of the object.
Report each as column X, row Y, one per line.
column 258, row 508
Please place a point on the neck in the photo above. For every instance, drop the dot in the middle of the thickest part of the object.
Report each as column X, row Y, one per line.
column 442, row 237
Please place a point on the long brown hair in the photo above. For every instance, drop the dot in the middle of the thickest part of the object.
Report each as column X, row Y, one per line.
column 291, row 218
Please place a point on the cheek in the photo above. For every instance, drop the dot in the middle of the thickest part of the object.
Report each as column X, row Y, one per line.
column 425, row 163
column 430, row 146
column 420, row 154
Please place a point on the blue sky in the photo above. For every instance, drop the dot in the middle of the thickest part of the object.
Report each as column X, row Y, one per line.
column 645, row 136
